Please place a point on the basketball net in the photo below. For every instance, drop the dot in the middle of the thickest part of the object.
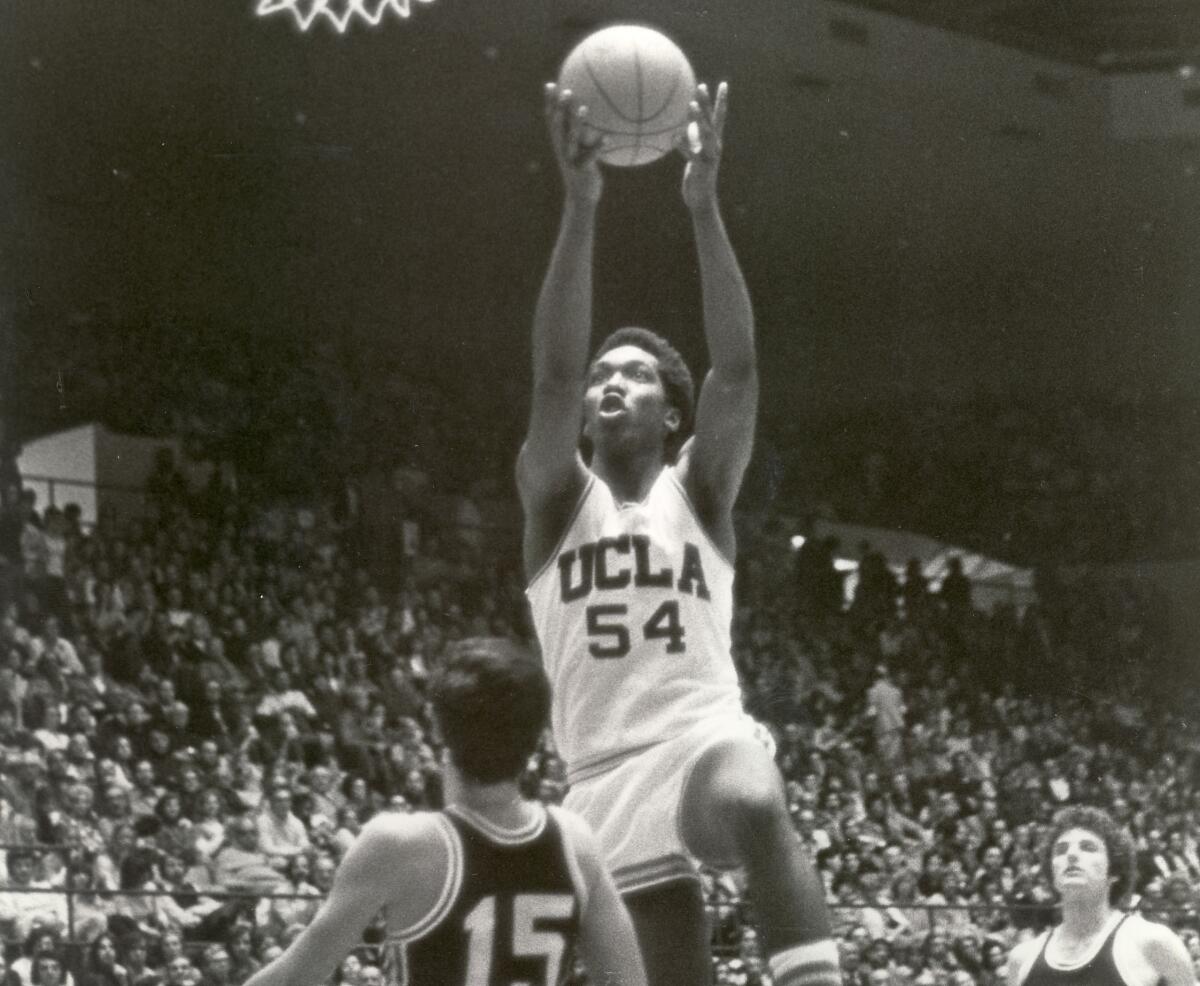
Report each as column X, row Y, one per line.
column 339, row 13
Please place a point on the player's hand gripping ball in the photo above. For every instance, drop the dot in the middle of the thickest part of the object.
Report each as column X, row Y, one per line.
column 636, row 84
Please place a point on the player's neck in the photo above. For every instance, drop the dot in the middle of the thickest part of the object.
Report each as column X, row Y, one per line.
column 630, row 476
column 500, row 803
column 1083, row 919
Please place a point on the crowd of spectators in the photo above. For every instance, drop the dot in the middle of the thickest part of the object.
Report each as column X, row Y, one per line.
column 200, row 707
column 1076, row 478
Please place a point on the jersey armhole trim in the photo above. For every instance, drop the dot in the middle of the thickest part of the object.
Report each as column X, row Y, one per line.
column 1034, row 955
column 575, row 512
column 699, row 523
column 572, row 860
column 1127, row 960
column 450, row 887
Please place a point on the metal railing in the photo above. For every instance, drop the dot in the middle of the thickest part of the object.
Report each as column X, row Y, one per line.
column 924, row 919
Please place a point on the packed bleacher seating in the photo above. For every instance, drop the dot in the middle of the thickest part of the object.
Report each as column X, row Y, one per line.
column 1065, row 476
column 200, row 707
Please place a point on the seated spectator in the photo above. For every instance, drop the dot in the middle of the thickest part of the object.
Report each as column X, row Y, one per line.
column 208, row 832
column 95, row 688
column 16, row 827
column 189, row 784
column 26, row 911
column 88, row 914
column 359, row 798
column 242, row 963
column 241, row 864
column 7, row 976
column 45, row 719
column 181, row 972
column 285, row 912
column 170, row 947
column 350, row 971
column 246, row 782
column 324, row 798
column 211, row 720
column 283, row 697
column 349, row 825
column 48, row 970
column 323, row 869
column 57, row 648
column 77, row 824
column 101, row 967
column 108, row 862
column 134, row 955
column 115, row 808
column 280, row 832
column 215, row 966
column 321, row 833
column 174, row 833
column 41, row 944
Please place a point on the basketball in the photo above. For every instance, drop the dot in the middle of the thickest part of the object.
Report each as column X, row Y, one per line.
column 636, row 84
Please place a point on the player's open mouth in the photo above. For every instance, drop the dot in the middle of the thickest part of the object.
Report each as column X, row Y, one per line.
column 611, row 404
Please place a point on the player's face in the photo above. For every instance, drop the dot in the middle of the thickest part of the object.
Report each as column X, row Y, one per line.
column 1079, row 862
column 625, row 393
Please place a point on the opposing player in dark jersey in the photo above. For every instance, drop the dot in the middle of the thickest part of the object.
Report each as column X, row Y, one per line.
column 493, row 891
column 629, row 559
column 1091, row 863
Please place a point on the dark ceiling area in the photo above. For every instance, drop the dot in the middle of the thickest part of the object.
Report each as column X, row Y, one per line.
column 1108, row 35
column 206, row 173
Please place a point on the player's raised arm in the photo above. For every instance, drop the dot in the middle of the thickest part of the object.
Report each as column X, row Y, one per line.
column 549, row 467
column 717, row 455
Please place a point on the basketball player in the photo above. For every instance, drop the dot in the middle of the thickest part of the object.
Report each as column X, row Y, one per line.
column 1091, row 863
column 629, row 561
column 494, row 890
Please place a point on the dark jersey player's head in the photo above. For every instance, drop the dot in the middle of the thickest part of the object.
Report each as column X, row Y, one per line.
column 491, row 699
column 1118, row 846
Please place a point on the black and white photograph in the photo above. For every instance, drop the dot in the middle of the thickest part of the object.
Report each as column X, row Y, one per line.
column 592, row 493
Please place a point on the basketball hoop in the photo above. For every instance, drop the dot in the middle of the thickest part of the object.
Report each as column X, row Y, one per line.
column 339, row 13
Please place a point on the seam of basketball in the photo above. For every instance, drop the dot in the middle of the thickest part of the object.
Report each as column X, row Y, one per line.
column 645, row 133
column 670, row 95
column 640, row 119
column 604, row 95
column 637, row 72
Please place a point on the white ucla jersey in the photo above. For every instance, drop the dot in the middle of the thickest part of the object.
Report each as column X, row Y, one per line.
column 633, row 613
